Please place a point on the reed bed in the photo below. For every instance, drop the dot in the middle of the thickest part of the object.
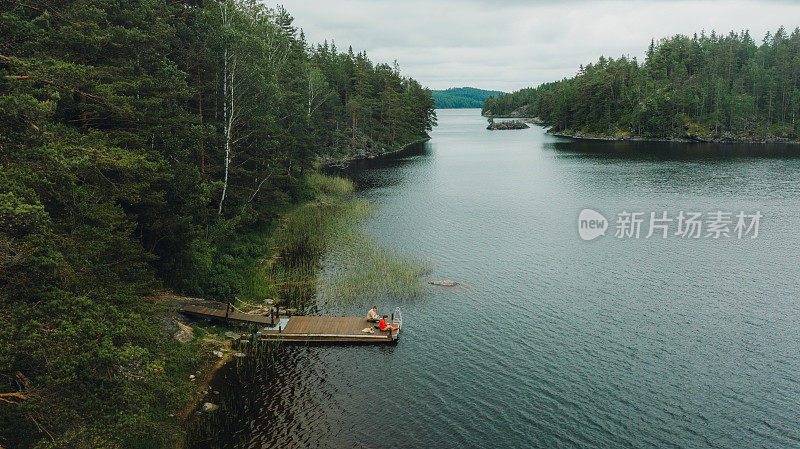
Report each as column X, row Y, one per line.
column 360, row 269
column 331, row 185
column 323, row 256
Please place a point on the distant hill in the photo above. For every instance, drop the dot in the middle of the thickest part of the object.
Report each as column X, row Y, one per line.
column 462, row 97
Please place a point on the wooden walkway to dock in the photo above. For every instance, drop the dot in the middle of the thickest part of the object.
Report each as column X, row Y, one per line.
column 227, row 314
column 328, row 329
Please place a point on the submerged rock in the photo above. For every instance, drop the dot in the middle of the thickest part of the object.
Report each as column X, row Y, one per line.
column 444, row 283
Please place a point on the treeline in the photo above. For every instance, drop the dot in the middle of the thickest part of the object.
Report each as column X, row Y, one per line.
column 462, row 97
column 138, row 142
column 707, row 86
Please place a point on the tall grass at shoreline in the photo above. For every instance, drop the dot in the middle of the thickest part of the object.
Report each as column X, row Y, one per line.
column 238, row 384
column 329, row 230
column 359, row 269
column 331, row 185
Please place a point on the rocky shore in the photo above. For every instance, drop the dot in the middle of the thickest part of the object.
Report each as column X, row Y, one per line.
column 364, row 153
column 686, row 138
column 513, row 124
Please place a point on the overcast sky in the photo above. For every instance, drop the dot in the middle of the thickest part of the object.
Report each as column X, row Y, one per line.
column 510, row 44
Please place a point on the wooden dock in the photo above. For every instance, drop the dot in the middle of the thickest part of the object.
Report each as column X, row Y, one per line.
column 330, row 329
column 306, row 329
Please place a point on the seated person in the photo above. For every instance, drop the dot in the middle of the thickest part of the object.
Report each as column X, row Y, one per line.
column 372, row 315
column 383, row 326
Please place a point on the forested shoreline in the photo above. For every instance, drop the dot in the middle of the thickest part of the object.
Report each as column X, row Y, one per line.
column 708, row 87
column 139, row 142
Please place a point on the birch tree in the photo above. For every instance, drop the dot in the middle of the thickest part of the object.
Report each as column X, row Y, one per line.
column 255, row 47
column 227, row 8
column 317, row 91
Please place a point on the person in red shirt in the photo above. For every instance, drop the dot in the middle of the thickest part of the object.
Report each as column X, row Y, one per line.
column 383, row 326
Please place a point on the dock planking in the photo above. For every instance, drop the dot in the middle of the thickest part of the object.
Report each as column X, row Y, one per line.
column 328, row 329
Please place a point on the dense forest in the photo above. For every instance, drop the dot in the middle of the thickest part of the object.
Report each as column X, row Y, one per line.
column 462, row 97
column 138, row 142
column 724, row 87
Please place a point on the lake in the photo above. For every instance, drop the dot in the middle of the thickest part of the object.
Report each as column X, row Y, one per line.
column 550, row 340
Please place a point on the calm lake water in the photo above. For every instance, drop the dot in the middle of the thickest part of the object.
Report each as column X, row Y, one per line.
column 553, row 341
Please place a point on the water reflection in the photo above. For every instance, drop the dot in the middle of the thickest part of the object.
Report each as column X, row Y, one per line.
column 377, row 172
column 653, row 170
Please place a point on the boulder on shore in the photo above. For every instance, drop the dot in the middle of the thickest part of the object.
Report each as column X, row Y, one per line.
column 510, row 124
column 232, row 335
column 209, row 407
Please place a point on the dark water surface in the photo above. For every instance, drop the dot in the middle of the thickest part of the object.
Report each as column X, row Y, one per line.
column 553, row 341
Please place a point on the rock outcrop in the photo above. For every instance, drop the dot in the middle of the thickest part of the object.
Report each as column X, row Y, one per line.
column 511, row 124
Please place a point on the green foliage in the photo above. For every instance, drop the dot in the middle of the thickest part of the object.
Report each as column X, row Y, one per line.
column 700, row 86
column 121, row 125
column 362, row 106
column 331, row 185
column 462, row 97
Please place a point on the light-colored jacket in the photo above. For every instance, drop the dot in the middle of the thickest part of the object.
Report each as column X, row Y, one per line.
column 372, row 315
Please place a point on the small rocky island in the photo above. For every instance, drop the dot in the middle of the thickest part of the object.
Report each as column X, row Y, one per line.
column 510, row 124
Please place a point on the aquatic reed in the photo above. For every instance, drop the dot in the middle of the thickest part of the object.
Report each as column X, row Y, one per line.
column 360, row 269
column 328, row 233
column 331, row 185
column 236, row 394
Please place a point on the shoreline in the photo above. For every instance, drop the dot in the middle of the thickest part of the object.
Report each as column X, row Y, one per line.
column 676, row 139
column 634, row 138
column 344, row 161
column 207, row 372
column 520, row 118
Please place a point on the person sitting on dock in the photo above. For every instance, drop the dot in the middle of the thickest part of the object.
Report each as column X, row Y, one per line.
column 372, row 315
column 383, row 326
